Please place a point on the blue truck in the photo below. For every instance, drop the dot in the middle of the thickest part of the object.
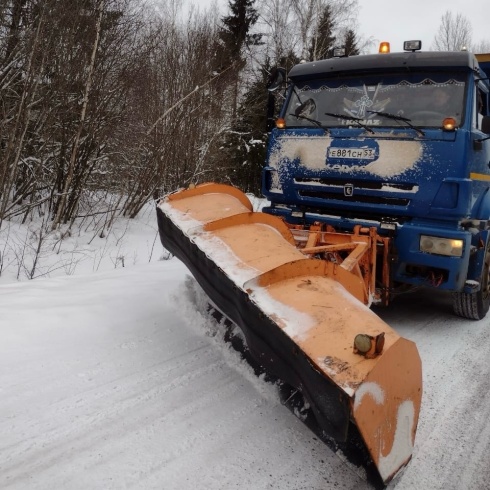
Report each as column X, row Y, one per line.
column 395, row 141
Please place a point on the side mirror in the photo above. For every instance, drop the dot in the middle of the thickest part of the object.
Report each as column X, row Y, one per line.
column 276, row 79
column 485, row 124
column 485, row 128
column 307, row 108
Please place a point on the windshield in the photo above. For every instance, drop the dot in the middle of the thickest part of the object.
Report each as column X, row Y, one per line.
column 421, row 99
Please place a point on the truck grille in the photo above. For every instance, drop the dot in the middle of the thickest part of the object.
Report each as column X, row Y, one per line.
column 369, row 192
column 393, row 201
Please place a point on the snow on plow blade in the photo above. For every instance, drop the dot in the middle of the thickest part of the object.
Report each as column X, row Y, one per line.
column 300, row 317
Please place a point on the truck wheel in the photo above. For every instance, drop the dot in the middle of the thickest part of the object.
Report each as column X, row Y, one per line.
column 475, row 305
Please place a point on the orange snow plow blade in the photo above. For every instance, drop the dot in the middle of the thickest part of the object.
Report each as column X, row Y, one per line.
column 305, row 319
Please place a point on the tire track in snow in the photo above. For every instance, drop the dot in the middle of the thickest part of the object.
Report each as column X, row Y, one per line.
column 453, row 437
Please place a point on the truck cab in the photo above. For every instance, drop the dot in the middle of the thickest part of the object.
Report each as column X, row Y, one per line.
column 396, row 141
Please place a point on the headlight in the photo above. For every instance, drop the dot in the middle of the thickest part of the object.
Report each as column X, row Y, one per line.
column 441, row 246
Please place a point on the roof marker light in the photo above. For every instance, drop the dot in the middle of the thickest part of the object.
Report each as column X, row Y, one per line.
column 280, row 123
column 449, row 124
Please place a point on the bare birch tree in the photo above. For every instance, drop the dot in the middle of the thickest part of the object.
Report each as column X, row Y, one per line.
column 276, row 21
column 481, row 47
column 23, row 64
column 295, row 26
column 99, row 11
column 454, row 33
column 178, row 108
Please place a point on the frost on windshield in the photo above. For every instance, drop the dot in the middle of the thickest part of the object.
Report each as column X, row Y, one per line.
column 425, row 101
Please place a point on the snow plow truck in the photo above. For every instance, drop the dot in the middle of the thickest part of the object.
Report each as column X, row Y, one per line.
column 377, row 175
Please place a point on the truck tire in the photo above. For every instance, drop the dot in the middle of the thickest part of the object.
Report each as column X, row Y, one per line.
column 475, row 306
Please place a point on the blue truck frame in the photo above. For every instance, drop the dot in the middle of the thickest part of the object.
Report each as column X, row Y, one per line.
column 347, row 151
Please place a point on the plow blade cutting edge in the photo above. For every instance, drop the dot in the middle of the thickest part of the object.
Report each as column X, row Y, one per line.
column 300, row 317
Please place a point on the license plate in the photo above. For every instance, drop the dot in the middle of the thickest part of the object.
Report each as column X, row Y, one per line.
column 352, row 153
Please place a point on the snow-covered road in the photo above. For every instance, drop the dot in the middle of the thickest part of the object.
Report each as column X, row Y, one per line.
column 114, row 380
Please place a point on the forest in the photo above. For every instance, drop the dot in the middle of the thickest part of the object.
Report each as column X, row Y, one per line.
column 106, row 105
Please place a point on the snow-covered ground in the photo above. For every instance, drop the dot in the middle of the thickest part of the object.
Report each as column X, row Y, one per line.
column 111, row 377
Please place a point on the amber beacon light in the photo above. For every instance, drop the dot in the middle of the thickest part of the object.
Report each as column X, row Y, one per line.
column 384, row 47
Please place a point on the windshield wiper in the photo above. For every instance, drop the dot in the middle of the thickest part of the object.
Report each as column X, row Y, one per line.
column 314, row 121
column 396, row 117
column 350, row 118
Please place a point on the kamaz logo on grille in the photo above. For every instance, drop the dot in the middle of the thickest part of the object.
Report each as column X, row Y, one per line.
column 348, row 190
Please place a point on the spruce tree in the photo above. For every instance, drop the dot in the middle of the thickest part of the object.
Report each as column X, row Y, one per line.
column 350, row 43
column 234, row 35
column 323, row 40
column 246, row 143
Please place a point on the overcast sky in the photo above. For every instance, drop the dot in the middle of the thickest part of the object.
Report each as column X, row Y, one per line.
column 402, row 20
column 399, row 20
